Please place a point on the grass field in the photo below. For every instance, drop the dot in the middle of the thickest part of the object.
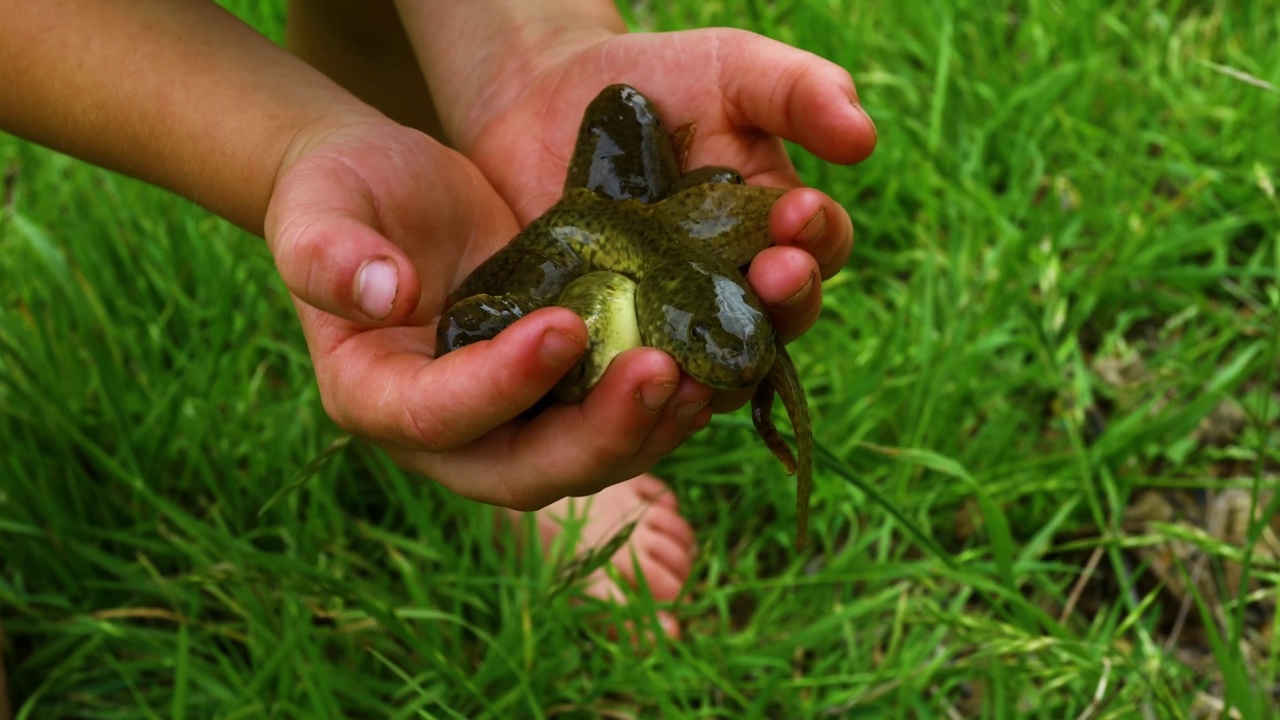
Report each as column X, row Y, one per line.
column 1046, row 389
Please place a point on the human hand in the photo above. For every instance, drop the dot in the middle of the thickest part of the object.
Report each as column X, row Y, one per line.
column 743, row 92
column 371, row 225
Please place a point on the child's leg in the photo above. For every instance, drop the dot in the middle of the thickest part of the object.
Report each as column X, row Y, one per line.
column 362, row 46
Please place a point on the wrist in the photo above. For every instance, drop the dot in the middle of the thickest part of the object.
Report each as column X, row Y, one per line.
column 312, row 133
column 479, row 57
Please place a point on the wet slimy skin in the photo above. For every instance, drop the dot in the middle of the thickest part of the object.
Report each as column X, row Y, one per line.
column 646, row 255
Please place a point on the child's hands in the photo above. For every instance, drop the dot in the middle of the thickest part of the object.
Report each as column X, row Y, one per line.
column 367, row 191
column 353, row 196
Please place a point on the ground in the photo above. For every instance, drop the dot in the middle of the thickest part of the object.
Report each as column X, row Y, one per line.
column 1044, row 389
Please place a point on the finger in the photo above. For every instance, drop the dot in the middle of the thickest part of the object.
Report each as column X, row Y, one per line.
column 794, row 94
column 686, row 413
column 566, row 450
column 612, row 424
column 787, row 281
column 810, row 220
column 383, row 383
column 321, row 231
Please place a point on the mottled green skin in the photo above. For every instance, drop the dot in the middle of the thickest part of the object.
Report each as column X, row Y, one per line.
column 683, row 252
column 622, row 152
column 627, row 210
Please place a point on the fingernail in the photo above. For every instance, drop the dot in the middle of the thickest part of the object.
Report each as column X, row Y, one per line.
column 813, row 230
column 858, row 106
column 376, row 286
column 560, row 348
column 802, row 294
column 687, row 411
column 653, row 396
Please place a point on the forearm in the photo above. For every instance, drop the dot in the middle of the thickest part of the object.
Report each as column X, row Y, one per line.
column 475, row 54
column 176, row 92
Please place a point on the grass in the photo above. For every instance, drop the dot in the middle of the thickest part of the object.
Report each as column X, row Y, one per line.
column 1069, row 247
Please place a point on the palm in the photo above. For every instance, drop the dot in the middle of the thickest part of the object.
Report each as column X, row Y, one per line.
column 527, row 166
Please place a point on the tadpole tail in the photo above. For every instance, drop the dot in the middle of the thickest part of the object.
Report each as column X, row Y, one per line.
column 762, row 418
column 785, row 381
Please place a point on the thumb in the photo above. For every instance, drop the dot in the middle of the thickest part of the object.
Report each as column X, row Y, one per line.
column 794, row 94
column 383, row 383
column 322, row 234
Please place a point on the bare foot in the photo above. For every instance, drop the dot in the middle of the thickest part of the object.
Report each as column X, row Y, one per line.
column 661, row 544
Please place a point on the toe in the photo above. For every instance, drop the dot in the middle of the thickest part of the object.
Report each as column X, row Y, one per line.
column 664, row 583
column 670, row 625
column 663, row 551
column 668, row 523
column 651, row 489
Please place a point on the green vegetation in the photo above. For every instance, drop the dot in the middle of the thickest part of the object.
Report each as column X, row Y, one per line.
column 1069, row 246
